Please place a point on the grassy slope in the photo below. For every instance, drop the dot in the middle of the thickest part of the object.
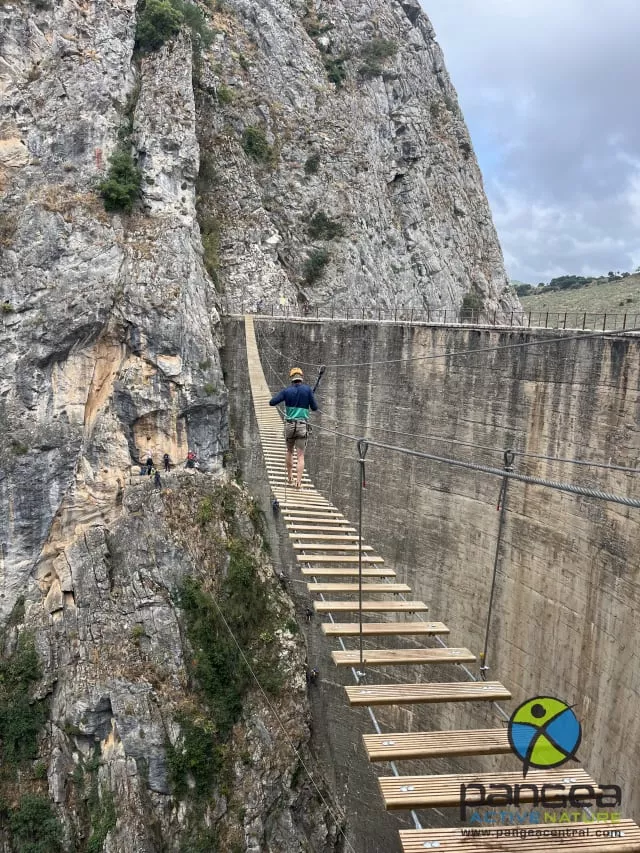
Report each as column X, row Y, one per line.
column 618, row 297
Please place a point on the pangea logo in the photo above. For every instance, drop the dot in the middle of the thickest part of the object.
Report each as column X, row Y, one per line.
column 544, row 732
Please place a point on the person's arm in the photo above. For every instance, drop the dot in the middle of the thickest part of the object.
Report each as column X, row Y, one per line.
column 312, row 402
column 279, row 398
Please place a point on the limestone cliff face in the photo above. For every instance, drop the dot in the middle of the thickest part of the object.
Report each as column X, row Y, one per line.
column 383, row 151
column 109, row 342
column 313, row 151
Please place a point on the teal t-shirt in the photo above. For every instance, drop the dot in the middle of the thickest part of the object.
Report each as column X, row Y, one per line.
column 296, row 413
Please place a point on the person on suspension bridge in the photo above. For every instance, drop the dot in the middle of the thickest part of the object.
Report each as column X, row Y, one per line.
column 299, row 401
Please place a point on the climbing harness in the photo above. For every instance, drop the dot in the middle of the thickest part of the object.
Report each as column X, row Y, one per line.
column 509, row 457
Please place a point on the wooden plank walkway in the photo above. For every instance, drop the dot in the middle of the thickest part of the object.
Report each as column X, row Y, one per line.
column 410, row 694
column 379, row 629
column 398, row 745
column 383, row 588
column 370, row 606
column 621, row 836
column 326, row 546
column 414, row 792
column 395, row 657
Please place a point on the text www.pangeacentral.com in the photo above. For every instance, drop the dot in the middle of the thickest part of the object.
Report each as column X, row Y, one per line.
column 524, row 833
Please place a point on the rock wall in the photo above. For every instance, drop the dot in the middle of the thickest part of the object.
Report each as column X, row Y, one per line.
column 109, row 344
column 567, row 595
column 378, row 146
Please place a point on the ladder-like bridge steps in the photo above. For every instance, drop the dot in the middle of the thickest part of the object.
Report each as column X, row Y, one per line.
column 337, row 558
column 396, row 746
column 379, row 629
column 395, row 657
column 394, row 588
column 411, row 792
column 320, row 546
column 293, row 526
column 295, row 497
column 302, row 513
column 371, row 606
column 621, row 836
column 326, row 537
column 306, row 509
column 412, row 694
column 348, row 573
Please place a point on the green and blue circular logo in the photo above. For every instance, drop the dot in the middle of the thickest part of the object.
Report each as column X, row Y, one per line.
column 544, row 732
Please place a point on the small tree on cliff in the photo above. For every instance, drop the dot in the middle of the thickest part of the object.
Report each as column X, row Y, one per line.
column 158, row 21
column 122, row 185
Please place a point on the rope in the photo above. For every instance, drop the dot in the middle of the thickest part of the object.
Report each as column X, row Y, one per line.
column 571, row 488
column 357, row 679
column 502, row 507
column 520, row 345
column 294, row 749
column 362, row 452
column 559, row 459
column 428, row 437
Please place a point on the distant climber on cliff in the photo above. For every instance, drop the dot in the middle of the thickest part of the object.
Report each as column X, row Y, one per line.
column 149, row 465
column 167, row 462
column 298, row 399
column 157, row 481
column 191, row 460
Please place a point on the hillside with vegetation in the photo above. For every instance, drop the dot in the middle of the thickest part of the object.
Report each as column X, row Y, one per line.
column 610, row 295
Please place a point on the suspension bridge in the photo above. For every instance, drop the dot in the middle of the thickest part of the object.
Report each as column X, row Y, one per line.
column 334, row 561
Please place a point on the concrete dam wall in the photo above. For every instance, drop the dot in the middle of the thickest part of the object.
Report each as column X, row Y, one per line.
column 565, row 617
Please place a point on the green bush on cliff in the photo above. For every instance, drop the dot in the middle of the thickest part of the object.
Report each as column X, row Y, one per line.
column 161, row 20
column 158, row 21
column 314, row 265
column 375, row 54
column 255, row 145
column 121, row 187
column 336, row 72
column 231, row 635
column 21, row 718
column 322, row 227
column 34, row 826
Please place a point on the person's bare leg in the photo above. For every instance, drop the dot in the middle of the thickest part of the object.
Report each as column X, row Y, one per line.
column 300, row 466
column 289, row 462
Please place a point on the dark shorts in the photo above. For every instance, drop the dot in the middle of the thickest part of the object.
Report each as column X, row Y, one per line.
column 295, row 434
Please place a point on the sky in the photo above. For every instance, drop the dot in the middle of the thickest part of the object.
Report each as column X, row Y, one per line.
column 550, row 90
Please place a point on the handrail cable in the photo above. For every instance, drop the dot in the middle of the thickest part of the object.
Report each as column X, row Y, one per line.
column 473, row 445
column 294, row 749
column 358, row 678
column 498, row 472
column 494, row 450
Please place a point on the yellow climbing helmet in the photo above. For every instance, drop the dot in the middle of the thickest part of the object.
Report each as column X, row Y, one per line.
column 295, row 374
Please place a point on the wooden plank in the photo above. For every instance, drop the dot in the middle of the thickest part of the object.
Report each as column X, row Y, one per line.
column 323, row 546
column 302, row 513
column 350, row 573
column 429, row 692
column 328, row 537
column 409, row 792
column 396, row 746
column 354, row 587
column 395, row 657
column 371, row 606
column 330, row 558
column 317, row 526
column 622, row 836
column 298, row 497
column 379, row 629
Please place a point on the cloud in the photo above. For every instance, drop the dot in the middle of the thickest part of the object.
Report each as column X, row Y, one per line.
column 550, row 93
